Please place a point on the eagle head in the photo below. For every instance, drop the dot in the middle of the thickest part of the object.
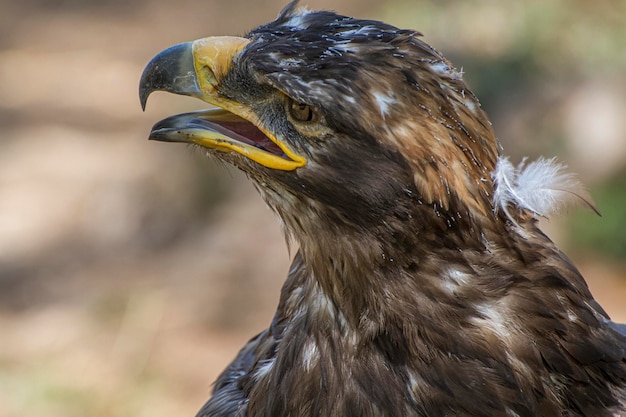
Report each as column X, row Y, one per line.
column 337, row 121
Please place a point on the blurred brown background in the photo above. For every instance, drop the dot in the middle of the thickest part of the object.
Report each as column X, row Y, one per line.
column 132, row 271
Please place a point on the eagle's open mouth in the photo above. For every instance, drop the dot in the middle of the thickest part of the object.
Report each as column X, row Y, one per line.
column 195, row 69
column 216, row 128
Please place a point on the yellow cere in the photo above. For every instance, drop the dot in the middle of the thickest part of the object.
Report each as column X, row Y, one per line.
column 213, row 56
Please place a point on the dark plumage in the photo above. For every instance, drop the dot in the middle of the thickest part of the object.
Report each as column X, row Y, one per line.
column 422, row 285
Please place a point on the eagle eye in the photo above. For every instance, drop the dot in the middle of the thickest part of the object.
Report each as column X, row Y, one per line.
column 301, row 112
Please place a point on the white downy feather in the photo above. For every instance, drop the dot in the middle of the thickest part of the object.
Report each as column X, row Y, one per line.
column 542, row 186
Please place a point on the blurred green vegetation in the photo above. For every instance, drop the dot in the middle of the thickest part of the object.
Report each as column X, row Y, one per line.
column 606, row 235
column 573, row 35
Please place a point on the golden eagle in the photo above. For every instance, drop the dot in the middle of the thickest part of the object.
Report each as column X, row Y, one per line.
column 422, row 285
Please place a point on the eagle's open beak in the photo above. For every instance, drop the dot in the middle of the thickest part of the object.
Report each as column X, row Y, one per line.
column 195, row 69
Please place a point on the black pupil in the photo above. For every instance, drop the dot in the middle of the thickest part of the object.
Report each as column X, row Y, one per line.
column 302, row 112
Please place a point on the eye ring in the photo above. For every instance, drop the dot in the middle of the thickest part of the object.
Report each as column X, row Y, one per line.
column 301, row 112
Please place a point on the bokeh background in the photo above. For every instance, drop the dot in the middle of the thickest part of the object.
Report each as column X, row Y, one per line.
column 132, row 271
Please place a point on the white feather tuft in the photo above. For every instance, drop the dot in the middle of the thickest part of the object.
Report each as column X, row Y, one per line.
column 542, row 186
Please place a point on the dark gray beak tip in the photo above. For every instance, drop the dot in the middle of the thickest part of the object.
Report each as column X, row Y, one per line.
column 171, row 70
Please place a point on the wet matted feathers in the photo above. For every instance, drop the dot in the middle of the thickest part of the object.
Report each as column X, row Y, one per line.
column 422, row 285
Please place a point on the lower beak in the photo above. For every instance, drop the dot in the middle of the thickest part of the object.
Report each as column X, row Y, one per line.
column 223, row 131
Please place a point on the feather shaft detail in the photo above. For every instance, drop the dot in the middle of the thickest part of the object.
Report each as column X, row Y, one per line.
column 543, row 187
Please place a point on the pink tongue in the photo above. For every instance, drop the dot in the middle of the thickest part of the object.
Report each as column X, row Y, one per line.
column 241, row 131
